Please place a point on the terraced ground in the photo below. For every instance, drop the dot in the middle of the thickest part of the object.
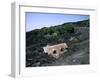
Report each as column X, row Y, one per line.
column 76, row 54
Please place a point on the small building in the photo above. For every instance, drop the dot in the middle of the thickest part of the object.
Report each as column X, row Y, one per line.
column 56, row 50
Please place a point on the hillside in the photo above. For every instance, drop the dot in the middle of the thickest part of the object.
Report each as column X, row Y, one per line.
column 75, row 34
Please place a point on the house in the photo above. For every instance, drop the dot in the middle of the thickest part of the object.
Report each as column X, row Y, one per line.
column 56, row 50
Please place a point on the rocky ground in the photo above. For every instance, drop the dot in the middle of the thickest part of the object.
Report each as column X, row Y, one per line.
column 76, row 54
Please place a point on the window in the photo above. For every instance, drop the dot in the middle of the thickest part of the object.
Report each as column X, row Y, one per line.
column 54, row 52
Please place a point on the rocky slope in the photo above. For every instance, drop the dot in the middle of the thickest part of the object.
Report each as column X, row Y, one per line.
column 76, row 35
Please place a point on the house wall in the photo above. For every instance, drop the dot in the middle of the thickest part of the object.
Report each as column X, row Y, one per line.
column 50, row 49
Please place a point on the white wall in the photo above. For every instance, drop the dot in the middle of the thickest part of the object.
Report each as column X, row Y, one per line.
column 5, row 40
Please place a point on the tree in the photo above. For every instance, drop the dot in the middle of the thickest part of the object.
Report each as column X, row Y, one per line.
column 69, row 28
